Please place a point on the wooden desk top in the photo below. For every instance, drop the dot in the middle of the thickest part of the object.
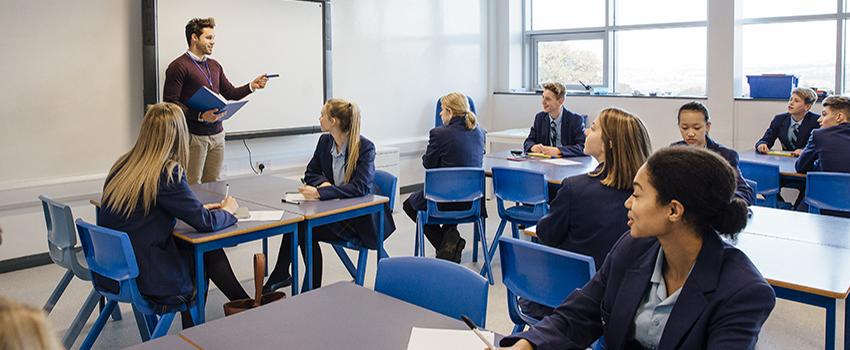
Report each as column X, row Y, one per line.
column 554, row 173
column 338, row 316
column 786, row 164
column 269, row 190
column 185, row 232
column 801, row 266
column 800, row 226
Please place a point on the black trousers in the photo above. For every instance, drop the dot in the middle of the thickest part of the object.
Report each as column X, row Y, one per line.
column 329, row 232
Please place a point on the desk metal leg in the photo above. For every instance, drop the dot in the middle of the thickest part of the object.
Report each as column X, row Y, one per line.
column 308, row 264
column 200, row 285
column 380, row 251
column 840, row 324
column 294, row 237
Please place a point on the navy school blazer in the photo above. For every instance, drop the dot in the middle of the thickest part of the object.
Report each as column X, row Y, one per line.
column 320, row 169
column 779, row 129
column 586, row 217
column 828, row 149
column 742, row 190
column 163, row 271
column 722, row 305
column 451, row 145
column 572, row 133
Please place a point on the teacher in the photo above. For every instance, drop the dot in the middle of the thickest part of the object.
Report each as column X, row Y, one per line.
column 185, row 75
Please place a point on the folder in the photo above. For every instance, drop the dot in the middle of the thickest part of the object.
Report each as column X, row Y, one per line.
column 205, row 99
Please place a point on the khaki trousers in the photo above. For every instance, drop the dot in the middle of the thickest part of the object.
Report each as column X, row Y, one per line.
column 206, row 155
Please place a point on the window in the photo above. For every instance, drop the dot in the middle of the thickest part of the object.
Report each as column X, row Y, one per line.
column 622, row 45
column 802, row 38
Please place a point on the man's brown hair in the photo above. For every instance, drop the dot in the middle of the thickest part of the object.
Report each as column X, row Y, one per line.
column 196, row 26
column 557, row 88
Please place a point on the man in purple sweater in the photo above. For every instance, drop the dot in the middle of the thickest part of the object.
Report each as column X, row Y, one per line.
column 184, row 76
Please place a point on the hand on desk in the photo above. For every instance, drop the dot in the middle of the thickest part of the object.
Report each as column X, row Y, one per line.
column 211, row 116
column 796, row 152
column 538, row 148
column 762, row 148
column 325, row 184
column 551, row 151
column 309, row 192
column 229, row 205
column 211, row 206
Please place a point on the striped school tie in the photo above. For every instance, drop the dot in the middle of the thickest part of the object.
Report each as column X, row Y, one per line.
column 553, row 134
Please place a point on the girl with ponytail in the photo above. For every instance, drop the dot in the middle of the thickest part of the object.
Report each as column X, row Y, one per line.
column 671, row 282
column 458, row 143
column 343, row 166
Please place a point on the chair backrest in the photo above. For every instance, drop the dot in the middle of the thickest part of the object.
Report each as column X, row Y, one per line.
column 826, row 190
column 61, row 236
column 386, row 184
column 451, row 185
column 520, row 185
column 110, row 254
column 765, row 175
column 438, row 285
column 542, row 274
column 439, row 121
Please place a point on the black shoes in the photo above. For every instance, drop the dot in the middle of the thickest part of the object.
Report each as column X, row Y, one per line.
column 273, row 286
column 461, row 243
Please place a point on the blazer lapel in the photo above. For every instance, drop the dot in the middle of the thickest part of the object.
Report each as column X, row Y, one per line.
column 783, row 132
column 545, row 128
column 630, row 293
column 693, row 298
column 328, row 161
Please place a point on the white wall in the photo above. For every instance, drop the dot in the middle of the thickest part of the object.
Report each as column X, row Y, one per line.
column 394, row 58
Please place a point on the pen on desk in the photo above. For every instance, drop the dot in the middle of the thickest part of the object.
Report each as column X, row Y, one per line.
column 475, row 330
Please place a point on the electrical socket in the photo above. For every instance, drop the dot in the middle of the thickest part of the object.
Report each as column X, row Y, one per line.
column 262, row 165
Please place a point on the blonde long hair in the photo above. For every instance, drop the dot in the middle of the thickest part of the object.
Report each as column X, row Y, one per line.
column 348, row 115
column 627, row 146
column 459, row 106
column 163, row 145
column 24, row 327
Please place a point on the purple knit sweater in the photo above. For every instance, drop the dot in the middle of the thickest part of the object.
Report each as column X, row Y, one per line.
column 183, row 78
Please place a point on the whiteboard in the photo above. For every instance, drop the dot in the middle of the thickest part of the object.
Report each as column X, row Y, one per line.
column 254, row 37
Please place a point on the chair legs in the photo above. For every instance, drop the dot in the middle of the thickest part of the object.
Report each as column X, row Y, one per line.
column 479, row 227
column 163, row 325
column 142, row 324
column 359, row 272
column 57, row 292
column 98, row 325
column 419, row 244
column 495, row 244
column 70, row 336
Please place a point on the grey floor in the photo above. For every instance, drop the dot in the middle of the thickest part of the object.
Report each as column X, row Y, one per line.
column 790, row 326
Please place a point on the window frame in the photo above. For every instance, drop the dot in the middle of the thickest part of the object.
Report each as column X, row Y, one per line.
column 840, row 17
column 607, row 32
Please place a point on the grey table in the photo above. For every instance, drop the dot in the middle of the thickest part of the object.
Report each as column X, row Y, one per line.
column 786, row 164
column 269, row 190
column 338, row 316
column 554, row 173
column 800, row 226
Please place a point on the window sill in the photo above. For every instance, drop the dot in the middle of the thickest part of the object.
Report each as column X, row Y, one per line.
column 602, row 95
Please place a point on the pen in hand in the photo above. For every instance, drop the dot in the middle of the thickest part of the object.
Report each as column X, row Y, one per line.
column 226, row 190
column 475, row 330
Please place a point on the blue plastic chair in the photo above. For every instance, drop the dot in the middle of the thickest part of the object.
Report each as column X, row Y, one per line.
column 385, row 184
column 541, row 274
column 826, row 190
column 452, row 185
column 528, row 189
column 110, row 254
column 437, row 285
column 61, row 242
column 439, row 121
column 766, row 176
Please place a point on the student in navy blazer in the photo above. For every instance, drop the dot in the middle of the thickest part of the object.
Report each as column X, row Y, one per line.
column 587, row 216
column 569, row 126
column 671, row 282
column 458, row 143
column 343, row 166
column 145, row 201
column 828, row 148
column 798, row 116
column 694, row 126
